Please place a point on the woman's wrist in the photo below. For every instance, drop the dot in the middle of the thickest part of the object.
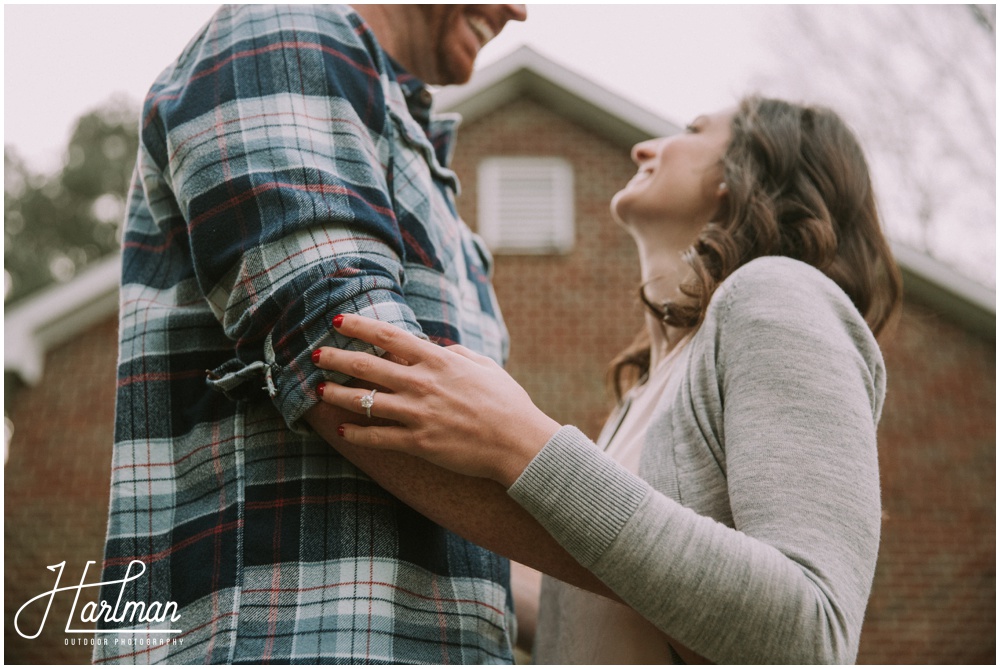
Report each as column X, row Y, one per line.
column 530, row 441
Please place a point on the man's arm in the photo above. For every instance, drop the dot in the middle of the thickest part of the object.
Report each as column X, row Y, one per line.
column 269, row 168
column 477, row 509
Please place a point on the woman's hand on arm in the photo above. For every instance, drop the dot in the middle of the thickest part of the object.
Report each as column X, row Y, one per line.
column 478, row 509
column 454, row 408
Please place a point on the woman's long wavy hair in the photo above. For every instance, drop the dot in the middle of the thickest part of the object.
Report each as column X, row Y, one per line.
column 798, row 186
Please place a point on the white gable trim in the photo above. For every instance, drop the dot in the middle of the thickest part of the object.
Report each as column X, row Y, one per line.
column 525, row 72
column 56, row 315
column 945, row 291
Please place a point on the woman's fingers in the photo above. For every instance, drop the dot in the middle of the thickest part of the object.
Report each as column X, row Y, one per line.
column 386, row 336
column 479, row 359
column 383, row 405
column 364, row 366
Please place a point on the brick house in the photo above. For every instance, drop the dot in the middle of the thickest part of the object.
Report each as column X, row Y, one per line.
column 567, row 281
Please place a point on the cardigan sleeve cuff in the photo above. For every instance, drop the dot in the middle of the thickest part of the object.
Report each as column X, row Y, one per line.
column 579, row 494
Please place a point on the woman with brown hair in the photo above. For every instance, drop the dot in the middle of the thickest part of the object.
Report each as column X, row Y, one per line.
column 732, row 500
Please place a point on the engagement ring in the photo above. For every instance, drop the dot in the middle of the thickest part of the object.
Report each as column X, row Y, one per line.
column 367, row 402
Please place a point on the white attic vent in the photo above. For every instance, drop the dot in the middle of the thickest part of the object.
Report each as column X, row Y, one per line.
column 526, row 205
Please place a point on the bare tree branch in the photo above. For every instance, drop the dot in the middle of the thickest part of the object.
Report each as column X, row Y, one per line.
column 918, row 83
column 986, row 16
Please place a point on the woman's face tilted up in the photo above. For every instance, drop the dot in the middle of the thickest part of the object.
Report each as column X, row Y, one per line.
column 679, row 184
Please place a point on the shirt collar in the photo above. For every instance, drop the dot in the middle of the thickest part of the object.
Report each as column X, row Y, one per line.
column 440, row 129
column 418, row 95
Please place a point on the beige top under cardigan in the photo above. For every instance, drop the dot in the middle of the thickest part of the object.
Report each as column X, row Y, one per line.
column 581, row 627
column 755, row 538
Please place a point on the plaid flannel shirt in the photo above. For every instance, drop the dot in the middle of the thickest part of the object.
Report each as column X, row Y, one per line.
column 289, row 171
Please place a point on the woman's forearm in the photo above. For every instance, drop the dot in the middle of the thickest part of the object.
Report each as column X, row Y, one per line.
column 729, row 595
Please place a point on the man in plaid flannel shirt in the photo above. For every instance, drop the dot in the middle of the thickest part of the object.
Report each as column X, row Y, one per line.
column 290, row 170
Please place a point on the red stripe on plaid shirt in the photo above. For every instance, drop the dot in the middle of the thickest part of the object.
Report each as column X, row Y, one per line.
column 168, row 240
column 160, row 376
column 251, row 53
column 139, row 465
column 412, row 243
column 156, row 557
column 309, row 188
column 248, row 279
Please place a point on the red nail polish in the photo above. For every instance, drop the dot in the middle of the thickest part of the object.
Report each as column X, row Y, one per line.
column 316, row 357
column 340, row 430
column 320, row 388
column 338, row 320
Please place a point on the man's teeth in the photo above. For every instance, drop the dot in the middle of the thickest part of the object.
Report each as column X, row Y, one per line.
column 481, row 28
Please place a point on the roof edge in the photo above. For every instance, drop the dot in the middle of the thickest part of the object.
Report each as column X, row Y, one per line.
column 947, row 293
column 526, row 72
column 57, row 314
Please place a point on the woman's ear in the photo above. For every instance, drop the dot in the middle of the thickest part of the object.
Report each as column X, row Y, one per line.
column 723, row 188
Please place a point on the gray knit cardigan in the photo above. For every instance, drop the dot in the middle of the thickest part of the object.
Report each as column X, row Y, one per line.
column 752, row 534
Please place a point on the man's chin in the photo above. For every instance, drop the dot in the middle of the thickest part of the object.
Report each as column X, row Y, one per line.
column 453, row 77
column 455, row 66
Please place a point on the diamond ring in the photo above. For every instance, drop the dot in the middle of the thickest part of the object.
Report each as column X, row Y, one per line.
column 367, row 402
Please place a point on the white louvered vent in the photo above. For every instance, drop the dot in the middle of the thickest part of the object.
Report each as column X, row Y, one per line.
column 526, row 205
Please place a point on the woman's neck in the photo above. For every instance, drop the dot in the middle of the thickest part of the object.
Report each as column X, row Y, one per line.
column 663, row 271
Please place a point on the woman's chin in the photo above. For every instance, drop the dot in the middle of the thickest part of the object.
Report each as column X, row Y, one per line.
column 619, row 210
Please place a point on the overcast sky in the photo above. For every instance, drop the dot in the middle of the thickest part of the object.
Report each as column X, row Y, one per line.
column 61, row 61
column 677, row 61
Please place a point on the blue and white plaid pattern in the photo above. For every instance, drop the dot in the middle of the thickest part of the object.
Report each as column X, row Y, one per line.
column 289, row 171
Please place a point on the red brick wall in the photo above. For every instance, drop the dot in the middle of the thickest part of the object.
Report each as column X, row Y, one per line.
column 935, row 587
column 934, row 598
column 56, row 490
column 568, row 315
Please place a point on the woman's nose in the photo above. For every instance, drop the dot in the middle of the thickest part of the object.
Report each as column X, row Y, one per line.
column 644, row 150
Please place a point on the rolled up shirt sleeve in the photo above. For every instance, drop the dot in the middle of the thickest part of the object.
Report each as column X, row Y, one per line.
column 275, row 151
